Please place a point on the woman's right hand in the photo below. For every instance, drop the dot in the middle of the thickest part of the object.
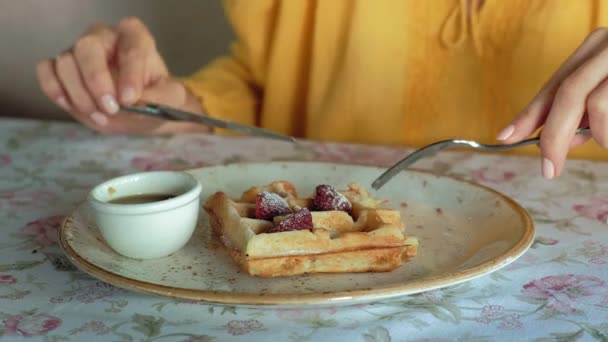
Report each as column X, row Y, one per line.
column 108, row 66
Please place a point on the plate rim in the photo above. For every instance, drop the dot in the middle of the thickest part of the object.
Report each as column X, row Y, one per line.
column 312, row 299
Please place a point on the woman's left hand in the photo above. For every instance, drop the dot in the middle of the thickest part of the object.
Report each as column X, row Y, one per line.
column 576, row 96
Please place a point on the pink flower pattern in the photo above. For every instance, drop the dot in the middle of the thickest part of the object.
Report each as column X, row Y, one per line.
column 60, row 299
column 433, row 296
column 16, row 295
column 157, row 163
column 24, row 199
column 566, row 292
column 595, row 251
column 510, row 322
column 242, row 327
column 153, row 163
column 73, row 134
column 7, row 279
column 97, row 327
column 526, row 260
column 310, row 314
column 496, row 313
column 202, row 338
column 88, row 295
column 342, row 153
column 597, row 209
column 5, row 160
column 492, row 175
column 94, row 293
column 43, row 231
column 542, row 240
column 33, row 325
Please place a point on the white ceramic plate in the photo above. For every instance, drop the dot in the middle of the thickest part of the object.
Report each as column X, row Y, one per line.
column 465, row 231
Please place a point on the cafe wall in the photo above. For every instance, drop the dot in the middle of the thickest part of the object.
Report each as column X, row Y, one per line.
column 189, row 33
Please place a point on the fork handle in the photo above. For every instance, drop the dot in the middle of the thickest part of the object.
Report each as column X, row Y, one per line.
column 438, row 146
column 530, row 141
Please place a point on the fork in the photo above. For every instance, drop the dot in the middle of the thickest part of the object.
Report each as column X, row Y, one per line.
column 440, row 145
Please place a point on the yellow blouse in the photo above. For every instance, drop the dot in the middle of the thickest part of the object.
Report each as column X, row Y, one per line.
column 394, row 72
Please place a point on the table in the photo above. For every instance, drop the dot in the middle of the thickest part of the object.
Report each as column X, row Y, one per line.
column 557, row 291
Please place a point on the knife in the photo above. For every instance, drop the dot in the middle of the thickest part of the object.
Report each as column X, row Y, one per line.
column 168, row 113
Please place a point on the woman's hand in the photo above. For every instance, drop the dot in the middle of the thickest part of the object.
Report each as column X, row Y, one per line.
column 111, row 65
column 576, row 96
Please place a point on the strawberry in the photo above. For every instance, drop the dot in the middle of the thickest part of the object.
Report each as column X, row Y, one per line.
column 301, row 219
column 268, row 205
column 327, row 198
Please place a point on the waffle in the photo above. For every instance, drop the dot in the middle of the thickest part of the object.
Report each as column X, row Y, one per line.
column 367, row 238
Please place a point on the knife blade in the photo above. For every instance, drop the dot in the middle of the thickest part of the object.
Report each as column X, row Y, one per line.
column 169, row 113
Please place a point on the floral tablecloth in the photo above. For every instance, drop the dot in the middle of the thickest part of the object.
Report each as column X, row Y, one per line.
column 558, row 291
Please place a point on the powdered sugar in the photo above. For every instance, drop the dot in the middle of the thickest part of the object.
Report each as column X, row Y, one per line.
column 327, row 198
column 302, row 219
column 268, row 205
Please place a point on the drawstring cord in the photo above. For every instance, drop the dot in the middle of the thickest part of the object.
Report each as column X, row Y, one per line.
column 463, row 18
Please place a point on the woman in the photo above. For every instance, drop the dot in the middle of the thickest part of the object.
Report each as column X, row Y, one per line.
column 386, row 72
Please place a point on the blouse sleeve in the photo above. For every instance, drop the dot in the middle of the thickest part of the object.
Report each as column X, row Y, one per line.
column 231, row 87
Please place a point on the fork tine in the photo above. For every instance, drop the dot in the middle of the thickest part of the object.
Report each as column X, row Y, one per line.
column 409, row 160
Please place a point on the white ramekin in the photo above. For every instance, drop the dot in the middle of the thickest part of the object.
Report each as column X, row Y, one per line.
column 149, row 230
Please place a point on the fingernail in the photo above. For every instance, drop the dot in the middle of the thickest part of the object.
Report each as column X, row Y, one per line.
column 63, row 103
column 548, row 169
column 506, row 133
column 99, row 118
column 109, row 104
column 128, row 95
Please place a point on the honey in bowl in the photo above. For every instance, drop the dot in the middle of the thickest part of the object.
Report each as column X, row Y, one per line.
column 141, row 199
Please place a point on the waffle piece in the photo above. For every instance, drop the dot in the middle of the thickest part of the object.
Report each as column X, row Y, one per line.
column 368, row 239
